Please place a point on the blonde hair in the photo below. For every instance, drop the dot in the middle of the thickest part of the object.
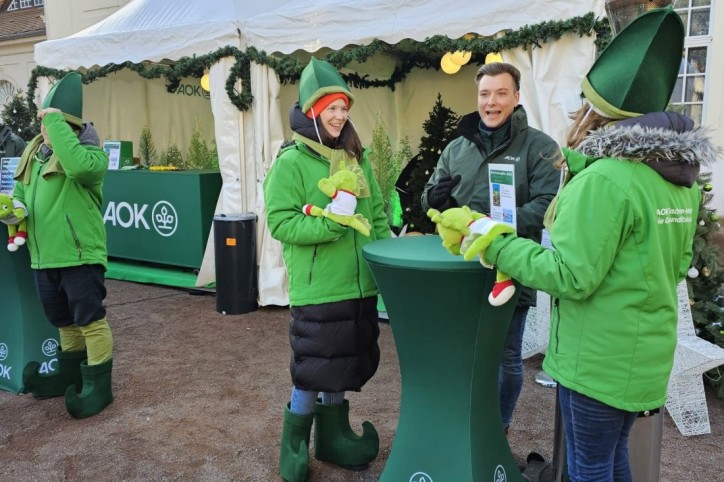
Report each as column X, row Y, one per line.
column 585, row 120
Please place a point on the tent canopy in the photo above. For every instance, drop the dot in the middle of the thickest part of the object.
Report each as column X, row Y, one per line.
column 157, row 30
column 314, row 24
column 154, row 30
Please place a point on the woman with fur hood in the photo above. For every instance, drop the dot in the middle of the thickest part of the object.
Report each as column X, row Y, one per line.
column 622, row 230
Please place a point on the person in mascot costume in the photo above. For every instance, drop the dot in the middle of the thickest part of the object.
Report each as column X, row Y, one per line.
column 60, row 180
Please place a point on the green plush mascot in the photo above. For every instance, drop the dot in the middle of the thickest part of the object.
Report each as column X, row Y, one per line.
column 464, row 231
column 13, row 214
column 343, row 188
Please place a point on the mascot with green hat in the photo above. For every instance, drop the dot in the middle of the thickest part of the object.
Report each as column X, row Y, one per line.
column 60, row 180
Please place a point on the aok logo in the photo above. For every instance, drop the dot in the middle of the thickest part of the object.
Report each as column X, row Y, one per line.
column 420, row 477
column 499, row 475
column 3, row 351
column 49, row 347
column 163, row 216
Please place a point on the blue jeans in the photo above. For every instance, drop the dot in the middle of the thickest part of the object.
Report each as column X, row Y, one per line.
column 303, row 401
column 510, row 375
column 596, row 438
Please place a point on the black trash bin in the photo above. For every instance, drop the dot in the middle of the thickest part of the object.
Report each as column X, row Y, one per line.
column 235, row 260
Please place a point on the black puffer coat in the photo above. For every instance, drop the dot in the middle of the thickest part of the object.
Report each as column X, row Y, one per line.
column 334, row 345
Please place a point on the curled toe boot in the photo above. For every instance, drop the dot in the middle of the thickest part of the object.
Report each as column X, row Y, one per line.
column 336, row 442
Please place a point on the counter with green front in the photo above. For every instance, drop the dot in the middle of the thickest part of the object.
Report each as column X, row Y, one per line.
column 25, row 333
column 449, row 340
column 160, row 217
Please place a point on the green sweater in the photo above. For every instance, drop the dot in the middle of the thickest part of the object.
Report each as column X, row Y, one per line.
column 63, row 194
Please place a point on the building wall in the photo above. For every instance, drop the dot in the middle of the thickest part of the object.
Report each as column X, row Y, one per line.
column 66, row 17
column 17, row 63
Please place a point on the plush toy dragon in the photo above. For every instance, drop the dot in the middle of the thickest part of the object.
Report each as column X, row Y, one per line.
column 343, row 188
column 469, row 233
column 13, row 213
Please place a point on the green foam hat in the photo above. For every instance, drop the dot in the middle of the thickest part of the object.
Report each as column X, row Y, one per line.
column 320, row 78
column 636, row 73
column 67, row 96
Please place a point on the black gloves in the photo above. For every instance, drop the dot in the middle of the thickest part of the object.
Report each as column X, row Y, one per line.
column 439, row 194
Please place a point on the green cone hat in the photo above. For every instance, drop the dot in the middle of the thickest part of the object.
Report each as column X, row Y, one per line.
column 636, row 73
column 67, row 96
column 320, row 78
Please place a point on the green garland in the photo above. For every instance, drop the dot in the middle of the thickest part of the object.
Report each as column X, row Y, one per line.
column 422, row 55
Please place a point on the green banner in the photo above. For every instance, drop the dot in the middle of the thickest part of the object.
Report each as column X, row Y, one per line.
column 160, row 217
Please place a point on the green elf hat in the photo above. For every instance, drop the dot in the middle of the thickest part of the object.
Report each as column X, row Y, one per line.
column 67, row 96
column 636, row 73
column 318, row 79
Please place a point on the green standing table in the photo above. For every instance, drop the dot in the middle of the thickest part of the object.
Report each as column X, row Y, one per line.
column 25, row 334
column 449, row 341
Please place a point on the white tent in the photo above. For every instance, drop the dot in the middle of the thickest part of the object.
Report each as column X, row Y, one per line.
column 156, row 30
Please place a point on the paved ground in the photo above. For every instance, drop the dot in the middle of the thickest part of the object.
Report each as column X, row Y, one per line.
column 199, row 396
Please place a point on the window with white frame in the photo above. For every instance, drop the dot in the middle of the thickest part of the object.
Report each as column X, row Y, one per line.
column 16, row 4
column 690, row 89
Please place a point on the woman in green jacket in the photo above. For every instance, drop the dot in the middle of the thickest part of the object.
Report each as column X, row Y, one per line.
column 622, row 237
column 332, row 295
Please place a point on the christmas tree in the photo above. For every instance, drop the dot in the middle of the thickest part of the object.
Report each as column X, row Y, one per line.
column 705, row 279
column 17, row 116
column 440, row 128
column 147, row 148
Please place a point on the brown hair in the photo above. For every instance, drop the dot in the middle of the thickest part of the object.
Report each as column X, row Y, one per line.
column 347, row 140
column 498, row 68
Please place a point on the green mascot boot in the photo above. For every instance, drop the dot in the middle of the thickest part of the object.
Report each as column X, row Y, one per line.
column 294, row 455
column 96, row 394
column 336, row 442
column 55, row 384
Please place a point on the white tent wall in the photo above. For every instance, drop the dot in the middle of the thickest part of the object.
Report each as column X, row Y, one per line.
column 122, row 103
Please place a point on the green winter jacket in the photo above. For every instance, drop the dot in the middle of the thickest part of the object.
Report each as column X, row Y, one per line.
column 323, row 259
column 533, row 154
column 622, row 235
column 63, row 194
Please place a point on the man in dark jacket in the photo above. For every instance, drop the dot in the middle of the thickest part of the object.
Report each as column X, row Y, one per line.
column 499, row 134
column 11, row 145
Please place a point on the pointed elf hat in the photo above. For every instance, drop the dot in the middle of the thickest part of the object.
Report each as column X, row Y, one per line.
column 636, row 73
column 67, row 96
column 318, row 79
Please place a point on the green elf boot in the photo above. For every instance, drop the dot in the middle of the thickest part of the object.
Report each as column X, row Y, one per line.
column 54, row 385
column 336, row 442
column 294, row 454
column 96, row 394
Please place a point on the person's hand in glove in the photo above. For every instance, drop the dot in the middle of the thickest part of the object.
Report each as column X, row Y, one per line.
column 440, row 193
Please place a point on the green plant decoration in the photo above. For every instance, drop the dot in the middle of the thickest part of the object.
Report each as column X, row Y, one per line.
column 387, row 163
column 198, row 155
column 146, row 148
column 174, row 157
column 18, row 116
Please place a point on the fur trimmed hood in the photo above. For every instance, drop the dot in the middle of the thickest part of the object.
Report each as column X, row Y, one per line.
column 666, row 142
